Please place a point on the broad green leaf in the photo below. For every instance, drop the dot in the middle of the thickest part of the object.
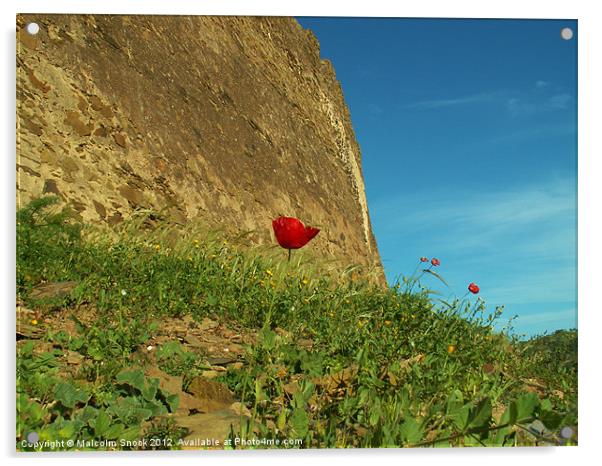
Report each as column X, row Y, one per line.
column 101, row 424
column 132, row 377
column 211, row 300
column 35, row 411
column 76, row 344
column 281, row 422
column 173, row 401
column 546, row 405
column 130, row 434
column 374, row 418
column 66, row 430
column 444, row 435
column 363, row 395
column 509, row 417
column 411, row 431
column 26, row 350
column 551, row 420
column 460, row 417
column 114, row 431
column 510, row 414
column 88, row 413
column 389, row 439
column 149, row 391
column 455, row 401
column 267, row 338
column 95, row 353
column 480, row 414
column 299, row 422
column 525, row 406
column 456, row 410
column 69, row 395
column 308, row 390
column 142, row 414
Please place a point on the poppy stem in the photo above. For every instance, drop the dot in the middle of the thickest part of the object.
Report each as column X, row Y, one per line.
column 289, row 255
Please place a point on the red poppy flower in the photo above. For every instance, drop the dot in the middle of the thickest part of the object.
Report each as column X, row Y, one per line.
column 435, row 262
column 424, row 259
column 473, row 288
column 291, row 233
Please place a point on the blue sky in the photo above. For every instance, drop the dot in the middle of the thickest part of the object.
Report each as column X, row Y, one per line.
column 468, row 135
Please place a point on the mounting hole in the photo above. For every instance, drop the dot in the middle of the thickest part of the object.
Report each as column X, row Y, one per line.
column 566, row 33
column 32, row 28
column 566, row 432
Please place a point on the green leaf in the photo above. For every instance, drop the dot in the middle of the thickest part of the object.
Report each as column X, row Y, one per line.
column 68, row 395
column 267, row 338
column 67, row 430
column 142, row 414
column 411, row 431
column 169, row 349
column 173, row 401
column 456, row 410
column 76, row 343
column 444, row 442
column 363, row 394
column 460, row 417
column 211, row 300
column 95, row 353
column 551, row 419
column 130, row 434
column 525, row 406
column 150, row 389
column 259, row 393
column 114, row 431
column 480, row 414
column 509, row 417
column 374, row 417
column 281, row 422
column 299, row 422
column 88, row 413
column 133, row 378
column 26, row 350
column 546, row 405
column 122, row 410
column 101, row 424
column 454, row 401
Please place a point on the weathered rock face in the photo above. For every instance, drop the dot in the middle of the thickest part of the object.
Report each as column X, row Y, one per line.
column 233, row 119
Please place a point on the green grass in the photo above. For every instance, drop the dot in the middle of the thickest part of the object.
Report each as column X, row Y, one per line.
column 380, row 371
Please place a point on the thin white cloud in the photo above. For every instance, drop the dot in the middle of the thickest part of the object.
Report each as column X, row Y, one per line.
column 519, row 244
column 529, row 284
column 532, row 133
column 519, row 107
column 560, row 101
column 547, row 317
column 517, row 103
column 464, row 100
column 489, row 211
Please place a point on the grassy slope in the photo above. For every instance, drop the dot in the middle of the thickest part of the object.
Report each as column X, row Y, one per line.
column 385, row 368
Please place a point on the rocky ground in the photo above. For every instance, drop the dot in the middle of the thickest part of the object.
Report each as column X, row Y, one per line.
column 207, row 408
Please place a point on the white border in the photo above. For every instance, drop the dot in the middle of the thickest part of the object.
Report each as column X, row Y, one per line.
column 590, row 151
